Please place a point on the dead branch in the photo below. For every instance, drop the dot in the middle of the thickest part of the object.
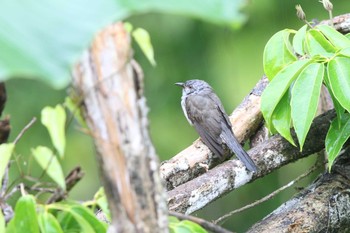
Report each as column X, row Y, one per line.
column 115, row 110
column 322, row 207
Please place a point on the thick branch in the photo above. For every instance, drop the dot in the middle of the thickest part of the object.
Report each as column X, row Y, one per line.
column 323, row 207
column 112, row 87
column 269, row 155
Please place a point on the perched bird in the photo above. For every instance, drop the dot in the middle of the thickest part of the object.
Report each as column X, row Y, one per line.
column 203, row 110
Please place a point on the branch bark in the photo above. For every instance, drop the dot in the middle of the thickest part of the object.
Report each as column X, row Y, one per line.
column 323, row 207
column 111, row 85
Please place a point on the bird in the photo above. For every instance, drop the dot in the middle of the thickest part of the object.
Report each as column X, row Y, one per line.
column 204, row 110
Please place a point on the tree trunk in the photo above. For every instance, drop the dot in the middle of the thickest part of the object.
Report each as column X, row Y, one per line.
column 111, row 85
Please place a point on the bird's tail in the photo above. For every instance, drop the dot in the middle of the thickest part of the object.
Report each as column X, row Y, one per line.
column 241, row 154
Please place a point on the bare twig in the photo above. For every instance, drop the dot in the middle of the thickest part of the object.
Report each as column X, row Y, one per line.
column 204, row 223
column 24, row 130
column 268, row 197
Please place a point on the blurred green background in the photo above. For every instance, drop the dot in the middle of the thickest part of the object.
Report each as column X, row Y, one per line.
column 185, row 48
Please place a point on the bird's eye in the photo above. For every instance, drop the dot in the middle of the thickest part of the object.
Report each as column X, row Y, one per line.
column 189, row 86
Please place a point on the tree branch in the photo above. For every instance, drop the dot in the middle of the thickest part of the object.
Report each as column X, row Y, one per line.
column 322, row 207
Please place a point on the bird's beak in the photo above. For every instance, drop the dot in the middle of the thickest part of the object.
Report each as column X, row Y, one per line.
column 180, row 84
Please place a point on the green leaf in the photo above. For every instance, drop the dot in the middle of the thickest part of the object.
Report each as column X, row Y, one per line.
column 281, row 118
column 48, row 161
column 336, row 137
column 304, row 101
column 335, row 37
column 173, row 220
column 102, row 202
column 6, row 150
column 143, row 39
column 338, row 108
column 317, row 44
column 90, row 218
column 193, row 227
column 278, row 87
column 54, row 120
column 25, row 219
column 299, row 40
column 339, row 79
column 48, row 223
column 345, row 52
column 277, row 54
column 41, row 41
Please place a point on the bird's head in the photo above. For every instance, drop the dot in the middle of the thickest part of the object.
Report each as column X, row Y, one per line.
column 193, row 86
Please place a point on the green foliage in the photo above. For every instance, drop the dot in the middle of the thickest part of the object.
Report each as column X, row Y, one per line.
column 49, row 162
column 42, row 41
column 6, row 150
column 25, row 218
column 54, row 120
column 291, row 98
column 176, row 226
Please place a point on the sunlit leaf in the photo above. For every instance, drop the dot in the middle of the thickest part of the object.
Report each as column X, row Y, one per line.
column 25, row 219
column 339, row 79
column 277, row 53
column 278, row 87
column 345, row 52
column 6, row 150
column 335, row 37
column 40, row 40
column 299, row 40
column 317, row 44
column 54, row 120
column 48, row 223
column 336, row 137
column 281, row 118
column 143, row 39
column 304, row 101
column 49, row 162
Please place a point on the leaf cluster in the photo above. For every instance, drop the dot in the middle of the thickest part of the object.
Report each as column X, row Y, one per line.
column 298, row 64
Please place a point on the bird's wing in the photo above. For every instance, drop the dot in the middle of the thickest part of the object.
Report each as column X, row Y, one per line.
column 230, row 140
column 204, row 115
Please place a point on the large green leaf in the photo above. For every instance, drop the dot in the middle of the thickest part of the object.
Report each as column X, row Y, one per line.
column 281, row 118
column 55, row 119
column 338, row 107
column 304, row 101
column 338, row 134
column 299, row 40
column 337, row 39
column 6, row 150
column 317, row 44
column 43, row 39
column 278, row 87
column 277, row 53
column 339, row 79
column 49, row 162
column 48, row 223
column 25, row 219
